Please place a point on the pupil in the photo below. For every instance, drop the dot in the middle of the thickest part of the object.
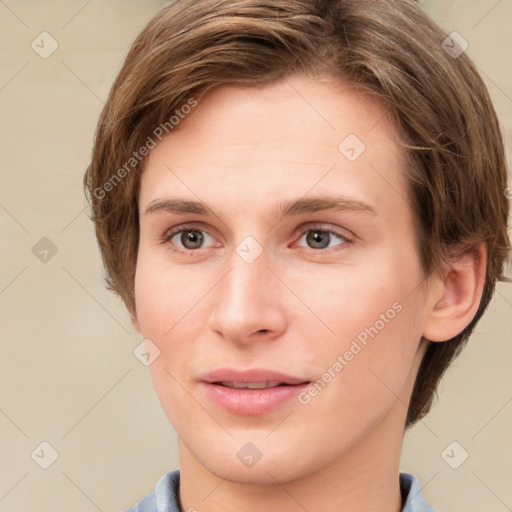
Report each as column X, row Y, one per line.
column 192, row 239
column 318, row 239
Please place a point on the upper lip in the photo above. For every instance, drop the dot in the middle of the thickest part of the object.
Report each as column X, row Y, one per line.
column 254, row 375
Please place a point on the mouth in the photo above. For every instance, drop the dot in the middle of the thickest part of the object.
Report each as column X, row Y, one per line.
column 251, row 385
column 251, row 392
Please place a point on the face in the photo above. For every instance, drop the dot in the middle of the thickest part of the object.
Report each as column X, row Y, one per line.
column 278, row 276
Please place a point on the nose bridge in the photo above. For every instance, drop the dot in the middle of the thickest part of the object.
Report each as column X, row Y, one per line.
column 246, row 301
column 246, row 286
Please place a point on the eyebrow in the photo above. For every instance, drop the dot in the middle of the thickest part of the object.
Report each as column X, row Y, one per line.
column 288, row 208
column 315, row 204
column 179, row 206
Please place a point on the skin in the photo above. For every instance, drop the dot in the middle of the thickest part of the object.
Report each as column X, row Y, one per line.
column 243, row 152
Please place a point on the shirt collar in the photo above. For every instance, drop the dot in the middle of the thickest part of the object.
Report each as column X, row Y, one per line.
column 166, row 493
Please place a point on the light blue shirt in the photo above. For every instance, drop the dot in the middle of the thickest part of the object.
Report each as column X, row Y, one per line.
column 165, row 497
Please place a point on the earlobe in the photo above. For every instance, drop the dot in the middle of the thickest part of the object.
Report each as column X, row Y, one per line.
column 458, row 297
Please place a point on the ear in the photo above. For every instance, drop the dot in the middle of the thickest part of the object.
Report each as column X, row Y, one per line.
column 455, row 296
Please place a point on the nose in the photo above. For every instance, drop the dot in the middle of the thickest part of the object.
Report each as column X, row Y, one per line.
column 247, row 303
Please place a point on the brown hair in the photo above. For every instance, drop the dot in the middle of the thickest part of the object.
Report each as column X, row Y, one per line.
column 392, row 50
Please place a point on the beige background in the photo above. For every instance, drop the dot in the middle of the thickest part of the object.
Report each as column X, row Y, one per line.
column 68, row 376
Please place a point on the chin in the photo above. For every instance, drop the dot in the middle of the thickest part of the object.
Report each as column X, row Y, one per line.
column 269, row 472
column 252, row 459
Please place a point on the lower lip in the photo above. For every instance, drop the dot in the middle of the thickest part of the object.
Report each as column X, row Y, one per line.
column 252, row 402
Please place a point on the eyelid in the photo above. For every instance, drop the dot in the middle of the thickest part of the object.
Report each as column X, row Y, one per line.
column 327, row 228
column 187, row 226
column 343, row 233
column 347, row 239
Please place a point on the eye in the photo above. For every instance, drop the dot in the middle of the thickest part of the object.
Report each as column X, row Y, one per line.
column 190, row 239
column 321, row 239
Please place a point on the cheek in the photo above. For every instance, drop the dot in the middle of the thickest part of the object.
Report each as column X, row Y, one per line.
column 352, row 299
column 166, row 297
column 172, row 311
column 168, row 304
column 375, row 319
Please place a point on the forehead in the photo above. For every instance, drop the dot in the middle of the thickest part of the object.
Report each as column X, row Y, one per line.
column 294, row 135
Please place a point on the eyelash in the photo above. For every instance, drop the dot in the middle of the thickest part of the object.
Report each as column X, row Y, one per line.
column 169, row 235
column 346, row 239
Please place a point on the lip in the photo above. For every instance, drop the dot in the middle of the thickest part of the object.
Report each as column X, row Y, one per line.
column 251, row 402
